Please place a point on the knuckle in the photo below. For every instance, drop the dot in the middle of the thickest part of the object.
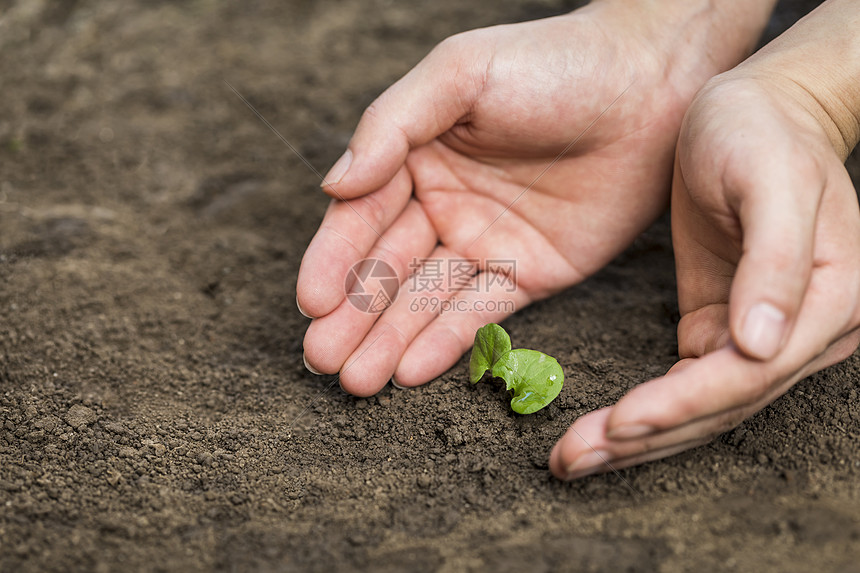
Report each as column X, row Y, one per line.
column 393, row 258
column 374, row 112
column 345, row 240
column 784, row 258
column 646, row 445
column 379, row 114
column 687, row 409
column 784, row 269
column 788, row 253
column 453, row 45
column 372, row 210
column 758, row 387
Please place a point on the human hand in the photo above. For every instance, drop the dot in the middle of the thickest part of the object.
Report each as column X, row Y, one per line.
column 439, row 167
column 766, row 229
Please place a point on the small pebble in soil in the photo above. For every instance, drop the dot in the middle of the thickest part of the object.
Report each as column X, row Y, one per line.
column 79, row 416
column 127, row 452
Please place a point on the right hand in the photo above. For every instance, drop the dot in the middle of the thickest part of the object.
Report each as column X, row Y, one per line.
column 766, row 233
column 440, row 161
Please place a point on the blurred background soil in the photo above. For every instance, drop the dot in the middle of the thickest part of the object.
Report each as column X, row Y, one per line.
column 154, row 411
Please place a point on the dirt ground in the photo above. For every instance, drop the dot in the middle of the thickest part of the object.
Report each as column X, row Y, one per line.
column 154, row 411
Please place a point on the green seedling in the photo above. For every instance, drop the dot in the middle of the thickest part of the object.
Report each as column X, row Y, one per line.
column 534, row 377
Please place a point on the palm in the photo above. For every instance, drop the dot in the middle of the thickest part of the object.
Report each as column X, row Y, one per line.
column 492, row 187
column 557, row 238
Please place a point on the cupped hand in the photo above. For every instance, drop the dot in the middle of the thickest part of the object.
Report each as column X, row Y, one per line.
column 766, row 230
column 460, row 160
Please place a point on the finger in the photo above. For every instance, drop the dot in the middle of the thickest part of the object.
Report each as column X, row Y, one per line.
column 575, row 451
column 332, row 338
column 715, row 392
column 720, row 381
column 584, row 449
column 419, row 302
column 705, row 261
column 727, row 379
column 347, row 233
column 590, row 461
column 574, row 456
column 778, row 209
column 586, row 437
column 618, row 462
column 486, row 297
column 703, row 331
column 719, row 422
column 426, row 102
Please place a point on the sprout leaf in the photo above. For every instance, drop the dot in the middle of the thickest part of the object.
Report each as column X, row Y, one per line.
column 491, row 343
column 534, row 377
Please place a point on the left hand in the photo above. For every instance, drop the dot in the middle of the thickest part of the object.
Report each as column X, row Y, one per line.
column 766, row 230
column 453, row 146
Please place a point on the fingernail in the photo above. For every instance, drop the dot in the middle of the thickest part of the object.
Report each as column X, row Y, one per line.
column 630, row 431
column 763, row 330
column 306, row 315
column 588, row 461
column 338, row 170
column 310, row 368
column 396, row 385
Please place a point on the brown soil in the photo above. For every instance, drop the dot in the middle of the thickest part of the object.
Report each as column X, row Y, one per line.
column 154, row 411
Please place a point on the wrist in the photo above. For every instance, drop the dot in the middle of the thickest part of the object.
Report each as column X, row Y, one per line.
column 697, row 39
column 817, row 64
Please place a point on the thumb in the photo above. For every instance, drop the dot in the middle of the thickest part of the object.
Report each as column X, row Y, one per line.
column 426, row 102
column 777, row 209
